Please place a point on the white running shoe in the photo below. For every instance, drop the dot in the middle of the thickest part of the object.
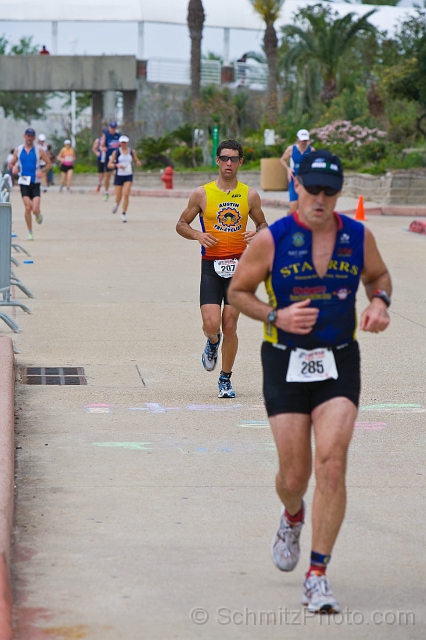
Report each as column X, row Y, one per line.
column 209, row 357
column 317, row 595
column 285, row 545
column 39, row 218
column 114, row 208
column 123, row 217
column 30, row 235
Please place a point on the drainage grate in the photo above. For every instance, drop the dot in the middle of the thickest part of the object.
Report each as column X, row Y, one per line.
column 53, row 375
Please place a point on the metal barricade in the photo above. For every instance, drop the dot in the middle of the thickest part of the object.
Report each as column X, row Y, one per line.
column 7, row 277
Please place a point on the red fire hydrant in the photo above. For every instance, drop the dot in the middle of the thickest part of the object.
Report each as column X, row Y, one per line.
column 167, row 177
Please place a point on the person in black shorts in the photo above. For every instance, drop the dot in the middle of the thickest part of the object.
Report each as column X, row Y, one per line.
column 224, row 207
column 122, row 161
column 26, row 161
column 312, row 263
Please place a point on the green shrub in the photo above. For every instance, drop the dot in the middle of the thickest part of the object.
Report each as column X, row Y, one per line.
column 183, row 156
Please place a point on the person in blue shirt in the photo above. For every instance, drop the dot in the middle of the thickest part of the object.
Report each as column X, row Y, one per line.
column 294, row 153
column 109, row 144
column 312, row 263
column 31, row 162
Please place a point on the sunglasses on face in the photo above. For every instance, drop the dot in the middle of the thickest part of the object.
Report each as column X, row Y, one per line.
column 233, row 159
column 316, row 189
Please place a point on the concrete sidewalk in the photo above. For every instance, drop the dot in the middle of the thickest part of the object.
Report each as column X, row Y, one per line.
column 141, row 496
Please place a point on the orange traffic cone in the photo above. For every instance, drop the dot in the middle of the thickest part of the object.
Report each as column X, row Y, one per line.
column 359, row 214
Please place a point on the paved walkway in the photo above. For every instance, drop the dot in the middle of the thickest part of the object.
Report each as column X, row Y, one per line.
column 141, row 496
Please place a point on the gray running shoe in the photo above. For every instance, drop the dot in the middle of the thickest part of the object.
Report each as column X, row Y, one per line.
column 209, row 357
column 285, row 545
column 317, row 595
column 39, row 218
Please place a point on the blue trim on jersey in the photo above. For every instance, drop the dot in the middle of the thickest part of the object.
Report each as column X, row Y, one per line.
column 292, row 195
column 293, row 278
column 29, row 163
column 203, row 229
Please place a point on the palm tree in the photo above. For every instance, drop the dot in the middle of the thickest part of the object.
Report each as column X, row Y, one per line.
column 269, row 11
column 195, row 21
column 326, row 42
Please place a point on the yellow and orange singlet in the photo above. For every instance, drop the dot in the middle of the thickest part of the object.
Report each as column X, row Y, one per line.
column 225, row 217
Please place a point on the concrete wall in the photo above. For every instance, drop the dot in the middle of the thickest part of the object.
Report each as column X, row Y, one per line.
column 187, row 180
column 67, row 73
column 395, row 188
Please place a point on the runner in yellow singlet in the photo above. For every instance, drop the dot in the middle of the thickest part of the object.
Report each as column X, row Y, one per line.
column 224, row 207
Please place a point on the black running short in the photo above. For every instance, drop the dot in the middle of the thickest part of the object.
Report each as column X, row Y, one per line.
column 31, row 190
column 213, row 288
column 302, row 397
column 101, row 166
column 120, row 180
column 66, row 167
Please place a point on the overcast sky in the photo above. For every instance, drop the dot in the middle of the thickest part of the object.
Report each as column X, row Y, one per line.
column 160, row 41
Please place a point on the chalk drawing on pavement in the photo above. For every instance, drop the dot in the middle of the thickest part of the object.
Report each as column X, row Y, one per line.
column 390, row 407
column 98, row 408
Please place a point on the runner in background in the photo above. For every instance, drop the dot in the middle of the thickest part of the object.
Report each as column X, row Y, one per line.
column 66, row 158
column 52, row 158
column 109, row 143
column 42, row 144
column 122, row 161
column 26, row 161
column 295, row 153
column 224, row 207
column 100, row 157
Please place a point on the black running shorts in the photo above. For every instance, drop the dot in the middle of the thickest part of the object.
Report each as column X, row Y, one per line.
column 213, row 288
column 66, row 167
column 302, row 397
column 101, row 166
column 31, row 190
column 120, row 180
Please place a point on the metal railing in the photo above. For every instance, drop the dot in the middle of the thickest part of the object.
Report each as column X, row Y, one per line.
column 7, row 277
column 179, row 71
column 252, row 76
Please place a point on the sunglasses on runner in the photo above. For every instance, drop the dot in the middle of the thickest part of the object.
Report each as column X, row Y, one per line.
column 316, row 189
column 233, row 159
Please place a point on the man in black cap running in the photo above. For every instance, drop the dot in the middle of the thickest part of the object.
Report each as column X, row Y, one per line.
column 312, row 263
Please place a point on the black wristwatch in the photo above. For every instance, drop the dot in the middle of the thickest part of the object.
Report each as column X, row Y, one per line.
column 272, row 316
column 379, row 293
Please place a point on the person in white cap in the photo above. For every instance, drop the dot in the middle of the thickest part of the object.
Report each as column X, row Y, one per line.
column 43, row 146
column 122, row 161
column 295, row 153
column 66, row 158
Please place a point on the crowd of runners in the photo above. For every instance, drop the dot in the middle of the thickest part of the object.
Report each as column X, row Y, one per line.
column 31, row 165
column 312, row 262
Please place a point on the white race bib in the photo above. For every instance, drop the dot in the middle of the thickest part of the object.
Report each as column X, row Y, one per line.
column 311, row 366
column 69, row 159
column 225, row 268
column 25, row 180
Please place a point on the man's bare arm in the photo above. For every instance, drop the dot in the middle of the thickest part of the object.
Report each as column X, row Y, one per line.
column 256, row 214
column 194, row 208
column 375, row 275
column 47, row 160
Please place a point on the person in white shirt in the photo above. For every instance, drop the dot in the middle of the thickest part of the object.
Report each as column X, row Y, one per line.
column 122, row 161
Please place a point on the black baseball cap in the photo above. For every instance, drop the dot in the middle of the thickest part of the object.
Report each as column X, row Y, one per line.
column 321, row 168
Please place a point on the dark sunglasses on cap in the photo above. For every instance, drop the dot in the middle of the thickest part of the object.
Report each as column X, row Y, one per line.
column 233, row 159
column 316, row 189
